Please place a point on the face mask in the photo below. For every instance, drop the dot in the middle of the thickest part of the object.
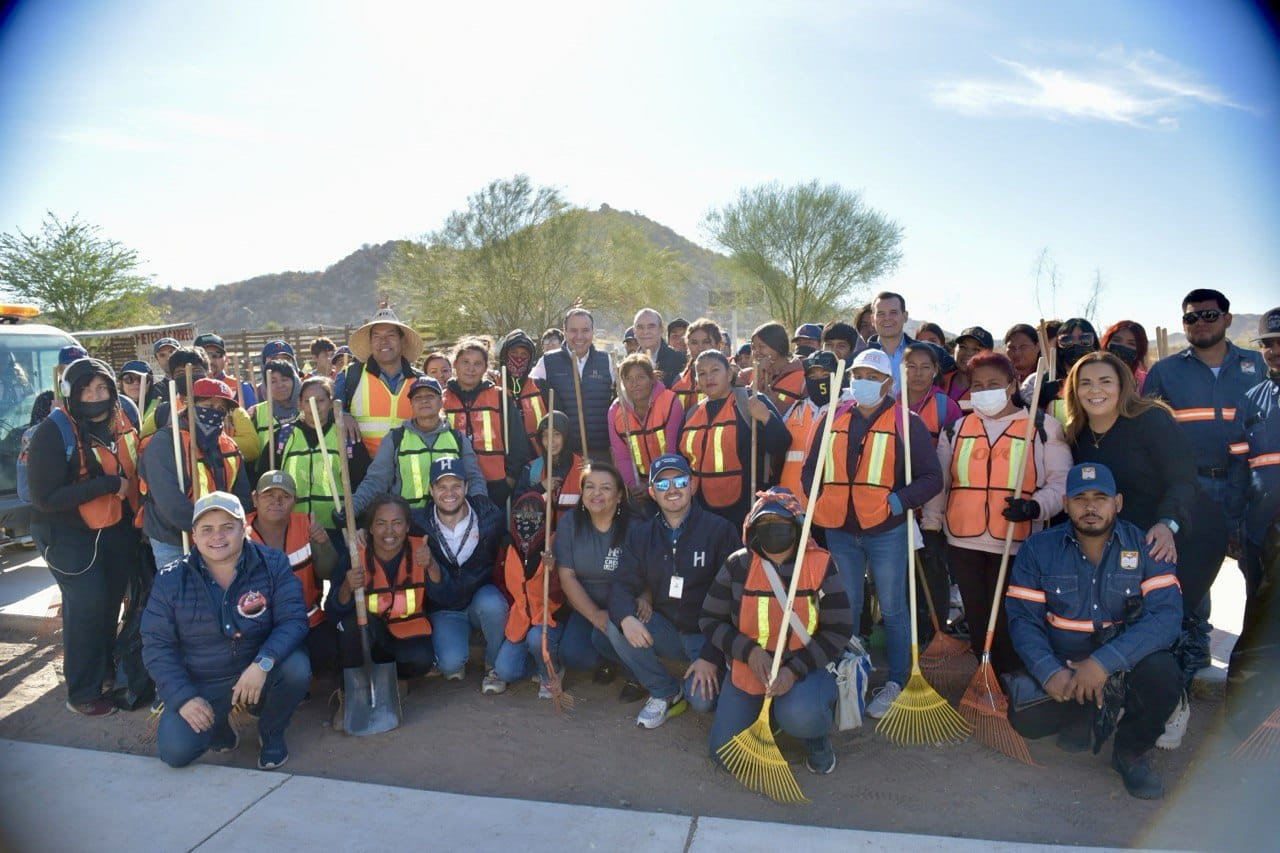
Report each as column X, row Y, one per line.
column 867, row 392
column 775, row 538
column 518, row 362
column 804, row 350
column 1073, row 353
column 990, row 403
column 819, row 390
column 209, row 421
column 93, row 410
column 1126, row 354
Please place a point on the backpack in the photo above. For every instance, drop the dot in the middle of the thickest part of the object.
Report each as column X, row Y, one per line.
column 63, row 420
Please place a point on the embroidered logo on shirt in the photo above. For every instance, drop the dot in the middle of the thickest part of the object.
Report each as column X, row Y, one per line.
column 1128, row 559
column 252, row 604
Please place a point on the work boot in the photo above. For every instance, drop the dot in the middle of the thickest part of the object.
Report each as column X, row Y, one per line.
column 1076, row 735
column 1140, row 780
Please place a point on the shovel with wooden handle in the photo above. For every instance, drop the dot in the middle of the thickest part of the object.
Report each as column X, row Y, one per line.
column 371, row 699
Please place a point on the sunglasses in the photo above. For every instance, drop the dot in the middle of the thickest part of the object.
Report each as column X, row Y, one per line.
column 680, row 481
column 1067, row 340
column 1209, row 315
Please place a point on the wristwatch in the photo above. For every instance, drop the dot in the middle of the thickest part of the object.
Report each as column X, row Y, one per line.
column 264, row 663
column 1170, row 523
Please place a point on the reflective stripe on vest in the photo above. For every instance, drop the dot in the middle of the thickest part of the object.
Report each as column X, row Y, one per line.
column 720, row 477
column 305, row 464
column 982, row 477
column 801, row 422
column 760, row 612
column 377, row 410
column 868, row 490
column 648, row 437
column 414, row 462
column 402, row 606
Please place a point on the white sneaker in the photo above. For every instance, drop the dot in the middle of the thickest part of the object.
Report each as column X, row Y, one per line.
column 456, row 676
column 1176, row 726
column 882, row 699
column 544, row 689
column 656, row 711
column 492, row 684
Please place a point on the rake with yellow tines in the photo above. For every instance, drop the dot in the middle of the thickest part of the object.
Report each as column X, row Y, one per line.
column 752, row 755
column 984, row 704
column 919, row 715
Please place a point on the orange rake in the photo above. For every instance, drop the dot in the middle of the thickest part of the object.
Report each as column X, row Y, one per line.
column 984, row 704
column 560, row 700
column 947, row 661
column 1264, row 743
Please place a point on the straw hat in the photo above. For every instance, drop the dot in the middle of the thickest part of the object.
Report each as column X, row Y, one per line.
column 361, row 347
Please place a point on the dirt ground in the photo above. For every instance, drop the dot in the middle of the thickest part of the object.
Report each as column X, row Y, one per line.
column 513, row 745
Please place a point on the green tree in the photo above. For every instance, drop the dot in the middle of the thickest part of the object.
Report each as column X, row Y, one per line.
column 812, row 248
column 519, row 256
column 80, row 279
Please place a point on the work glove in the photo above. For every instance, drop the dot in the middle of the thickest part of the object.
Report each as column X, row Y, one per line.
column 1021, row 509
column 340, row 518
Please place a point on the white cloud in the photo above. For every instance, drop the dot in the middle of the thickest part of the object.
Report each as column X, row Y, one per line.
column 1142, row 89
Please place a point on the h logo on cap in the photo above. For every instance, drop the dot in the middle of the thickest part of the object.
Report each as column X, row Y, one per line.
column 446, row 463
column 1088, row 472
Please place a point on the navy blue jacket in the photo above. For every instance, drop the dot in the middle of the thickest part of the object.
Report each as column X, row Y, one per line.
column 648, row 561
column 1256, row 433
column 194, row 632
column 1204, row 406
column 597, row 394
column 1057, row 599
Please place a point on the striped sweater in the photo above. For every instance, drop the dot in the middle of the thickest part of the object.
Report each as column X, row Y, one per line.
column 719, row 620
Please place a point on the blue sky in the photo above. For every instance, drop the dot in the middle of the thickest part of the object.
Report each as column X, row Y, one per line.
column 231, row 139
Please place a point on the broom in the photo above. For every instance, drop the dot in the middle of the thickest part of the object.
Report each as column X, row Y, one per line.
column 1264, row 743
column 919, row 715
column 560, row 700
column 984, row 704
column 947, row 661
column 752, row 755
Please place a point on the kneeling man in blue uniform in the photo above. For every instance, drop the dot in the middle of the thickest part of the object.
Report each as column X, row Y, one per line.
column 225, row 626
column 1093, row 617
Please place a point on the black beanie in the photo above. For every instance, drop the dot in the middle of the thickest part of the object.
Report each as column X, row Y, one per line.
column 80, row 372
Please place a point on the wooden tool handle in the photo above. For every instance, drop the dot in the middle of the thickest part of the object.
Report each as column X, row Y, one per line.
column 353, row 550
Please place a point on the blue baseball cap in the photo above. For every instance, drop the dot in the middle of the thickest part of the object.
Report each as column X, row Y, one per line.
column 165, row 342
column 629, row 334
column 275, row 349
column 428, row 383
column 70, row 353
column 447, row 466
column 138, row 367
column 669, row 462
column 1090, row 476
column 808, row 330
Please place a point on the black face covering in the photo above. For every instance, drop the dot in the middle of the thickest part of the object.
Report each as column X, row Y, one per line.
column 1126, row 354
column 775, row 538
column 1073, row 353
column 819, row 390
column 96, row 409
column 804, row 350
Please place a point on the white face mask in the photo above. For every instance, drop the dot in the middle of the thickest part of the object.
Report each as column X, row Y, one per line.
column 990, row 403
column 867, row 392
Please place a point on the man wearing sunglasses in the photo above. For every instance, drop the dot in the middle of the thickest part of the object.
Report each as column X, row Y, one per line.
column 1204, row 384
column 674, row 557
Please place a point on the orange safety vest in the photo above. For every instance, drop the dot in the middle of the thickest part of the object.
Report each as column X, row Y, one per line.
column 648, row 438
column 377, row 410
column 297, row 547
column 402, row 605
column 801, row 420
column 231, row 461
column 982, row 477
column 106, row 510
column 686, row 389
column 790, row 387
column 712, row 450
column 481, row 422
column 569, row 495
column 929, row 411
column 532, row 409
column 868, row 490
column 760, row 611
column 526, row 594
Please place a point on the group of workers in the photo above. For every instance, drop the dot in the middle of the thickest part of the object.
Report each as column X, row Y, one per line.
column 641, row 520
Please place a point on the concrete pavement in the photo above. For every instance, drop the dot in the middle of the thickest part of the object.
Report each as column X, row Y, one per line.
column 129, row 802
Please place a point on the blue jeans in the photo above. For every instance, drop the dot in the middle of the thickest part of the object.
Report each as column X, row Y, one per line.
column 451, row 630
column 165, row 553
column 648, row 667
column 574, row 644
column 805, row 711
column 885, row 555
column 287, row 683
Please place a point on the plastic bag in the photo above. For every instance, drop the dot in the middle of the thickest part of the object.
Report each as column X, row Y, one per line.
column 853, row 673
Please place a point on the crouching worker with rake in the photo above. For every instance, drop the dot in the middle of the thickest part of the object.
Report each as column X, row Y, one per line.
column 1093, row 615
column 742, row 616
column 225, row 626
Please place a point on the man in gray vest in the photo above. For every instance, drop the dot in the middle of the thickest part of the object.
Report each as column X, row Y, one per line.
column 594, row 386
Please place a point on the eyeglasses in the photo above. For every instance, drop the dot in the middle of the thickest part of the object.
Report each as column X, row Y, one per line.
column 1209, row 315
column 680, row 481
column 1067, row 340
